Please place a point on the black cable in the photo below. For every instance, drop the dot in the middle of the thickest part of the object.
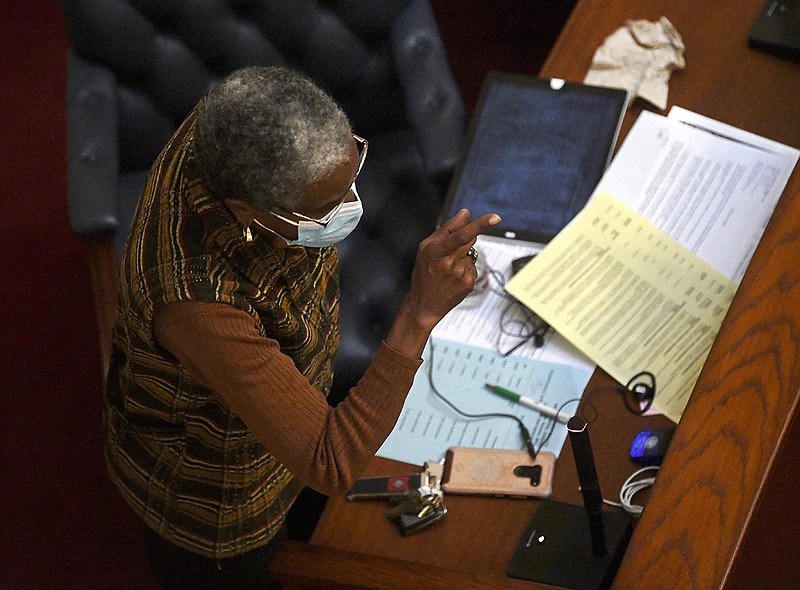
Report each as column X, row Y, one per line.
column 531, row 325
column 523, row 430
column 501, row 280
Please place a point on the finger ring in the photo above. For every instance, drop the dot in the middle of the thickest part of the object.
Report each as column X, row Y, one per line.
column 472, row 253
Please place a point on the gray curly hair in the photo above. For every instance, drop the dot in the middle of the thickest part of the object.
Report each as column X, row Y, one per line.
column 263, row 135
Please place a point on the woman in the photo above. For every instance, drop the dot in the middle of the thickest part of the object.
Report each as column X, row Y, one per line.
column 228, row 323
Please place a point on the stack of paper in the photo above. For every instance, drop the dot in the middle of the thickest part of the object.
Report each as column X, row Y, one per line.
column 643, row 276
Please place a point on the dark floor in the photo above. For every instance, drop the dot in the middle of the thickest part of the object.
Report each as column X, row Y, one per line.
column 507, row 35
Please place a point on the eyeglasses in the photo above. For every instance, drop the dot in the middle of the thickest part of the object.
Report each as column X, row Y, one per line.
column 363, row 146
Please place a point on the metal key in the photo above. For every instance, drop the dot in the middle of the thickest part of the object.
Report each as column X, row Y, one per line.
column 417, row 511
column 418, row 498
column 411, row 503
column 429, row 503
column 409, row 523
column 412, row 523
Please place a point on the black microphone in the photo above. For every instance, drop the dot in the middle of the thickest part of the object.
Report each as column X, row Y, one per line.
column 590, row 484
column 560, row 546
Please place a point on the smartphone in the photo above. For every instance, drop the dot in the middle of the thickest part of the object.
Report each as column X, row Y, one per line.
column 497, row 472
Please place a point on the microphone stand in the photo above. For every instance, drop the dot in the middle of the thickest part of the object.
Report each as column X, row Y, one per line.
column 572, row 546
column 590, row 483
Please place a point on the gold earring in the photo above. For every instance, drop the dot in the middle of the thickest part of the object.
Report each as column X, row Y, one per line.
column 248, row 235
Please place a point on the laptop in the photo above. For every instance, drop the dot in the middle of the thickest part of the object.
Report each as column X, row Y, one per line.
column 536, row 149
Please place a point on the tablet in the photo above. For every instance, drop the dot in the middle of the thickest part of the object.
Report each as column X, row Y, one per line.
column 536, row 150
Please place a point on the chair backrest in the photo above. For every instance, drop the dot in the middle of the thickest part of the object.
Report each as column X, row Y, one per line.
column 139, row 66
column 166, row 54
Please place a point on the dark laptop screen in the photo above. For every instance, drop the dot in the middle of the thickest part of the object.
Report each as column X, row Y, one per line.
column 537, row 149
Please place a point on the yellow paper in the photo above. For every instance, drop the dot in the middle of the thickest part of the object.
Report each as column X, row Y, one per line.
column 629, row 297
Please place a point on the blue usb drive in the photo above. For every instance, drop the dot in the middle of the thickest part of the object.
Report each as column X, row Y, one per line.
column 650, row 446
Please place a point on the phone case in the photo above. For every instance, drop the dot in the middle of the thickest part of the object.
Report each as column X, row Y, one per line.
column 498, row 473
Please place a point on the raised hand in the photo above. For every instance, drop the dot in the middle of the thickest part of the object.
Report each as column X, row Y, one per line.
column 443, row 275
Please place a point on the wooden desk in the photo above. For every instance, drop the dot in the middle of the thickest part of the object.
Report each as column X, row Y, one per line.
column 723, row 511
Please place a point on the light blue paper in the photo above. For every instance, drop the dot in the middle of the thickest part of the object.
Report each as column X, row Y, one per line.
column 427, row 427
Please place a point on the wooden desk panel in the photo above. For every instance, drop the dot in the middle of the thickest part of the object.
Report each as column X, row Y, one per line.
column 709, row 519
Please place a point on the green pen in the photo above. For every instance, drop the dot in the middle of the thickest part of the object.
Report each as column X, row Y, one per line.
column 527, row 402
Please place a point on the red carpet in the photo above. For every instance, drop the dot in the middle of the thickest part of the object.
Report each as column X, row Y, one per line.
column 63, row 525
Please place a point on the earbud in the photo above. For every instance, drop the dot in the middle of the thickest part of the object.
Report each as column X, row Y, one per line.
column 640, row 392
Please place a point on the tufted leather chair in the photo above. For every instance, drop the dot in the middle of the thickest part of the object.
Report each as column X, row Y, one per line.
column 136, row 68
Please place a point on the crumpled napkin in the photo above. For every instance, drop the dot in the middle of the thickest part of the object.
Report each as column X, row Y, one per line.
column 639, row 57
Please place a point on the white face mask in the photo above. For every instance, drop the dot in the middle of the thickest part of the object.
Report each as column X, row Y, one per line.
column 313, row 235
column 337, row 228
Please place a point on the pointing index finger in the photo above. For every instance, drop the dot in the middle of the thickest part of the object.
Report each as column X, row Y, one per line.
column 464, row 237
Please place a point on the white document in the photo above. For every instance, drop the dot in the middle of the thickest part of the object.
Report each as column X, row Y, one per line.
column 477, row 320
column 708, row 185
column 701, row 122
column 427, row 426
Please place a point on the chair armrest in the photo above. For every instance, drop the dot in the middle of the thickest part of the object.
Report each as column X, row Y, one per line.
column 433, row 101
column 92, row 148
column 103, row 271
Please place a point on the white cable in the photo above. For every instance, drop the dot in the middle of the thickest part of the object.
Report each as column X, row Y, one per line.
column 630, row 488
